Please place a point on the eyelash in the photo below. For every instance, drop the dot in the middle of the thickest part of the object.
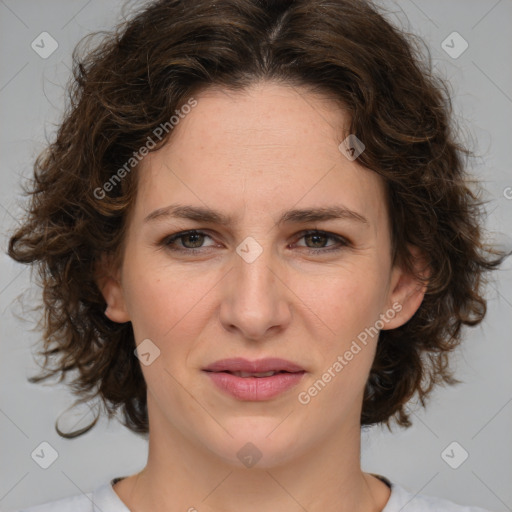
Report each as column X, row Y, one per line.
column 169, row 240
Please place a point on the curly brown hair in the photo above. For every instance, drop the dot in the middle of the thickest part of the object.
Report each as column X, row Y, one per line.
column 136, row 78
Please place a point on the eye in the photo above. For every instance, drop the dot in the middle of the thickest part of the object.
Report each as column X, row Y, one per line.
column 318, row 239
column 190, row 241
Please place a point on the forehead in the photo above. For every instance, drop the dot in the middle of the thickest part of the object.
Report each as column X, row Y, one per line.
column 261, row 149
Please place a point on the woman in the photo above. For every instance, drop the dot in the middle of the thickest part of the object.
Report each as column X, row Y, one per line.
column 255, row 235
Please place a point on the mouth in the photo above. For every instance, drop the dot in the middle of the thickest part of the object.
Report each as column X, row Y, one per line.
column 254, row 380
column 254, row 368
column 257, row 375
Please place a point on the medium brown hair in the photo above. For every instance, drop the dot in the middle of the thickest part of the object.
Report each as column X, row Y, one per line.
column 136, row 78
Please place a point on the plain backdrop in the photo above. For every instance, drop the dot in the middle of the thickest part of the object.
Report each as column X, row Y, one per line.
column 477, row 415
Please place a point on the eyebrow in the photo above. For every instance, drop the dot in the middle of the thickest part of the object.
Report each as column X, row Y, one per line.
column 208, row 215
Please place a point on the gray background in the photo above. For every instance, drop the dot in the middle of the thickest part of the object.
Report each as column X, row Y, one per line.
column 476, row 414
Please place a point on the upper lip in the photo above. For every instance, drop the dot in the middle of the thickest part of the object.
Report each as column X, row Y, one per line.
column 239, row 364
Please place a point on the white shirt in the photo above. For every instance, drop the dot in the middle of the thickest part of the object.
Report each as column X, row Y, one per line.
column 105, row 499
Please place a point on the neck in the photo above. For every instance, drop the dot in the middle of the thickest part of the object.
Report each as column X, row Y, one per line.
column 180, row 475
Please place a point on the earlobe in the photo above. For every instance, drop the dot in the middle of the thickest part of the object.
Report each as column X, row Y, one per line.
column 406, row 291
column 116, row 308
column 109, row 284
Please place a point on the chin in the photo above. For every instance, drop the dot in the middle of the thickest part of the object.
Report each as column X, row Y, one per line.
column 257, row 442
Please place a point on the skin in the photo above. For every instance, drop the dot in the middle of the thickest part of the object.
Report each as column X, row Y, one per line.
column 253, row 155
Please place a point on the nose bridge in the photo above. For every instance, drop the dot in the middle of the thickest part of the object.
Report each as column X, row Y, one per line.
column 256, row 300
column 253, row 269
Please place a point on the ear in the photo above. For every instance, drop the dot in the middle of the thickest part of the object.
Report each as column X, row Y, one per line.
column 107, row 276
column 406, row 292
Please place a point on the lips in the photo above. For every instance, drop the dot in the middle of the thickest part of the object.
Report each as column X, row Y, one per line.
column 260, row 366
column 254, row 380
column 258, row 375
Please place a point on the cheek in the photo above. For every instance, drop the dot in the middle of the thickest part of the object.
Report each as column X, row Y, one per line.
column 348, row 306
column 164, row 302
column 345, row 301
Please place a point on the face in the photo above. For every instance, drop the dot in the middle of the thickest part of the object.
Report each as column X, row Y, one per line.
column 270, row 275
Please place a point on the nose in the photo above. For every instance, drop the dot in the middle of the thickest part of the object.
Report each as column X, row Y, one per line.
column 255, row 300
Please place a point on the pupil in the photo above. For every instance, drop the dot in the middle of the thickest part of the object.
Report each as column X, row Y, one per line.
column 196, row 242
column 316, row 236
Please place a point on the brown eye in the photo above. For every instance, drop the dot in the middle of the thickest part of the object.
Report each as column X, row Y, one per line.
column 194, row 239
column 188, row 241
column 316, row 242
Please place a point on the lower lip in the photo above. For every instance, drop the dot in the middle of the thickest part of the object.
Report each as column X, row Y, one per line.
column 255, row 388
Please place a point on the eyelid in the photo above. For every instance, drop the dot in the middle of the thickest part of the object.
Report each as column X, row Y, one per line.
column 181, row 234
column 333, row 236
column 342, row 242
